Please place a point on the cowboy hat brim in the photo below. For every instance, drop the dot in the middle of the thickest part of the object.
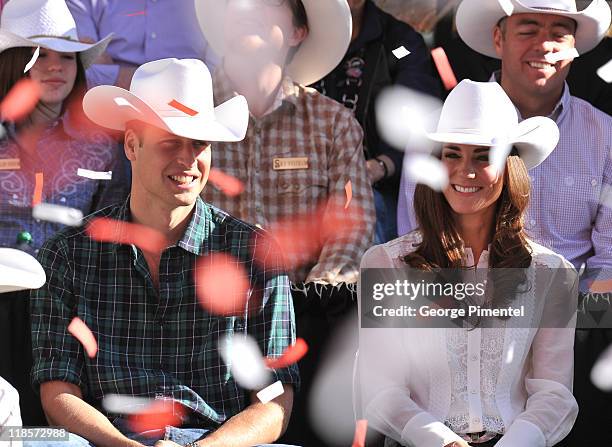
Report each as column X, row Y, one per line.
column 329, row 34
column 87, row 52
column 476, row 20
column 534, row 138
column 112, row 107
column 19, row 271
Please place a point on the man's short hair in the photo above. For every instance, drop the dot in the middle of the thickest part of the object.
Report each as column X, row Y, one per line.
column 300, row 19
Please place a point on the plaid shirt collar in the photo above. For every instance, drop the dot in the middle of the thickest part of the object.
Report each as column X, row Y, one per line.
column 287, row 95
column 196, row 234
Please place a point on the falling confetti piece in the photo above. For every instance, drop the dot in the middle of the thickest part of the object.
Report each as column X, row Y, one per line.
column 32, row 61
column 427, row 170
column 230, row 186
column 95, row 175
column 221, row 284
column 292, row 355
column 507, row 6
column 246, row 363
column 582, row 269
column 123, row 404
column 498, row 155
column 605, row 72
column 104, row 229
column 605, row 197
column 601, row 286
column 152, row 421
column 601, row 374
column 19, row 270
column 82, row 333
column 361, row 429
column 139, row 13
column 271, row 392
column 38, row 188
column 553, row 58
column 20, row 100
column 400, row 52
column 56, row 213
column 348, row 189
column 444, row 68
column 182, row 107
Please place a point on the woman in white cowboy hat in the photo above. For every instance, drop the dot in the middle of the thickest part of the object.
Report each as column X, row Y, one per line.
column 501, row 382
column 51, row 140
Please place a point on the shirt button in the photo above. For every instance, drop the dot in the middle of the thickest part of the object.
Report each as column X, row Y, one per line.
column 532, row 222
column 63, row 199
column 477, row 420
column 153, row 35
column 473, row 392
column 569, row 181
column 594, row 182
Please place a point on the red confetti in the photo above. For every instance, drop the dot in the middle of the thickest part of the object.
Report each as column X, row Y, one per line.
column 82, row 333
column 152, row 422
column 230, row 186
column 20, row 100
column 360, row 433
column 139, row 13
column 348, row 188
column 601, row 286
column 221, row 284
column 444, row 68
column 110, row 230
column 182, row 107
column 292, row 355
column 38, row 188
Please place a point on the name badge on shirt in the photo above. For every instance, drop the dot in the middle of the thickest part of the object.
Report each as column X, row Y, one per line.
column 10, row 164
column 283, row 164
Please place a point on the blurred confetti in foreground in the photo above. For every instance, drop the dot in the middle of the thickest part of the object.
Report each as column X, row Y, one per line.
column 104, row 229
column 601, row 374
column 348, row 189
column 444, row 68
column 554, row 57
column 30, row 64
column 221, row 283
column 361, row 429
column 507, row 6
column 56, row 213
column 123, row 404
column 292, row 354
column 426, row 170
column 95, row 175
column 605, row 197
column 83, row 334
column 270, row 392
column 498, row 154
column 152, row 421
column 605, row 72
column 20, row 100
column 230, row 186
column 246, row 363
column 19, row 270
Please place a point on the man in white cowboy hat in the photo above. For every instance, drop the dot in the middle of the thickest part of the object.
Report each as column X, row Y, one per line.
column 567, row 213
column 153, row 339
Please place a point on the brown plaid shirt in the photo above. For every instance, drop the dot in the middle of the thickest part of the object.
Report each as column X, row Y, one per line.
column 302, row 123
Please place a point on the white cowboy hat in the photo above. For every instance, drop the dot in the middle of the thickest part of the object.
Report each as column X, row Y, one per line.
column 481, row 114
column 48, row 24
column 175, row 95
column 476, row 19
column 19, row 270
column 329, row 34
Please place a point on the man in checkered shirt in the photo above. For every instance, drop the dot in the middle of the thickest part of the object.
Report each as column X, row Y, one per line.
column 154, row 338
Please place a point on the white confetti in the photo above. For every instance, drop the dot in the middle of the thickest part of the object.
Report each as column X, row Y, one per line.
column 271, row 392
column 19, row 270
column 405, row 116
column 606, row 196
column 553, row 58
column 427, row 170
column 32, row 61
column 507, row 6
column 498, row 154
column 120, row 404
column 605, row 72
column 601, row 374
column 400, row 52
column 57, row 213
column 246, row 363
column 95, row 175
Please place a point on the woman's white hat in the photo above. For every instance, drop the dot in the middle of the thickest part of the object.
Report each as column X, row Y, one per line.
column 476, row 20
column 481, row 114
column 19, row 270
column 175, row 95
column 329, row 34
column 48, row 24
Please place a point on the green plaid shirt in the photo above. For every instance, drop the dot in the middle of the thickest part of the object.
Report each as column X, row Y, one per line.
column 156, row 343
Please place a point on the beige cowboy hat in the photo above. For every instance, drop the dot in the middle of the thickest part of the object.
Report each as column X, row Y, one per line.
column 476, row 19
column 329, row 34
column 47, row 24
column 175, row 95
column 481, row 114
column 19, row 270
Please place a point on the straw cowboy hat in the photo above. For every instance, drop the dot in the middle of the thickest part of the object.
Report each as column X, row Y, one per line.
column 19, row 270
column 175, row 95
column 329, row 34
column 481, row 114
column 476, row 19
column 48, row 24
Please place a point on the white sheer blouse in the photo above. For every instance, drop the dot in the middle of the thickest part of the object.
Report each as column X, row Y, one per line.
column 423, row 386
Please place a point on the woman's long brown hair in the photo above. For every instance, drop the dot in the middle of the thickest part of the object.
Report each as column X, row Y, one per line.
column 443, row 248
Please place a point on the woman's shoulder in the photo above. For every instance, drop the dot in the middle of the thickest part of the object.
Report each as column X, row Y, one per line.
column 390, row 253
column 545, row 257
